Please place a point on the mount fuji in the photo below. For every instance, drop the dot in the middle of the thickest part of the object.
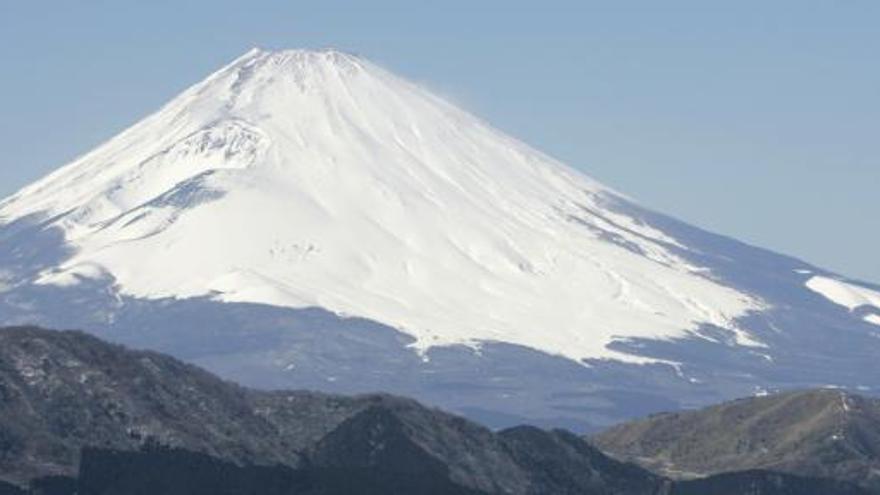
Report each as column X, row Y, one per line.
column 308, row 219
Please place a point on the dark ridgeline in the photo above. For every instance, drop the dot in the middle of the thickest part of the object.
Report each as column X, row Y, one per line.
column 82, row 416
column 561, row 462
column 67, row 390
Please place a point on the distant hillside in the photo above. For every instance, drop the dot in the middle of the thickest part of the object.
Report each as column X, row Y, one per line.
column 79, row 415
column 65, row 391
column 826, row 433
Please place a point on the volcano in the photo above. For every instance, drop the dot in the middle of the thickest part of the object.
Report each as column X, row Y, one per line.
column 309, row 219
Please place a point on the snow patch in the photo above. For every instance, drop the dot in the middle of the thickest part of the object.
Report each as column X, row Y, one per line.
column 71, row 275
column 848, row 295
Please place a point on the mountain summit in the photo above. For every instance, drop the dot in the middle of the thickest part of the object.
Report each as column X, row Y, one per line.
column 299, row 180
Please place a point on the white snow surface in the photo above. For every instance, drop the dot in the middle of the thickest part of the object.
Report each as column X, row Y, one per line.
column 315, row 178
column 848, row 295
column 845, row 294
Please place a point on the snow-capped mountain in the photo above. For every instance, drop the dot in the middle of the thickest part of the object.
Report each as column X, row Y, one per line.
column 304, row 183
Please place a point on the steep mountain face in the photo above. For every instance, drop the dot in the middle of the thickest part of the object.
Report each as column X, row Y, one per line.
column 307, row 219
column 827, row 433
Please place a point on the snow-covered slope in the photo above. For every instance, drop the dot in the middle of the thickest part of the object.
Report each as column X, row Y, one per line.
column 304, row 178
column 308, row 219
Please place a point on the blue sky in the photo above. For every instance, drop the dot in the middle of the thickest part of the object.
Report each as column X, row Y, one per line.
column 756, row 119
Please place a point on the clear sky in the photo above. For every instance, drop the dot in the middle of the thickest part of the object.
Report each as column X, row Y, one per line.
column 756, row 119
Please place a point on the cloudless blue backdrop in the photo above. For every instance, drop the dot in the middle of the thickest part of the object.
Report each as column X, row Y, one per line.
column 756, row 119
